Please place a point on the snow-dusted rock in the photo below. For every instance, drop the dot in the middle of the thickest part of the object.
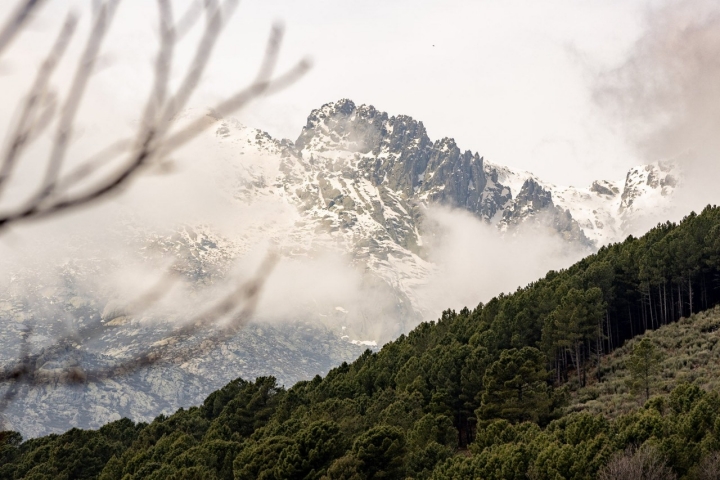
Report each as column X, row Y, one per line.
column 356, row 181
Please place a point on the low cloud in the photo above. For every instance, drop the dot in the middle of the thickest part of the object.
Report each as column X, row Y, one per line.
column 664, row 97
column 476, row 262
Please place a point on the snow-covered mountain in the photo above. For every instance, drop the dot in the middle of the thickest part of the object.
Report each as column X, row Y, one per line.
column 356, row 182
column 364, row 178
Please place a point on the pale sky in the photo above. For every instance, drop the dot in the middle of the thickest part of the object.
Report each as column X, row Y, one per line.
column 509, row 79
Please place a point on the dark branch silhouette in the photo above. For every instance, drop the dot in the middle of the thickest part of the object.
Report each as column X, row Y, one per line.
column 154, row 140
column 17, row 22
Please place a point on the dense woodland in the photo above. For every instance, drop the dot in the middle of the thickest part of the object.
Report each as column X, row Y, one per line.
column 480, row 393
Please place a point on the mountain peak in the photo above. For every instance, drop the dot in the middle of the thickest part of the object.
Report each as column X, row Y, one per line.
column 346, row 126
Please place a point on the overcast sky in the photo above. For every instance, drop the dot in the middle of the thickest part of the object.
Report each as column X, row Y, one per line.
column 510, row 79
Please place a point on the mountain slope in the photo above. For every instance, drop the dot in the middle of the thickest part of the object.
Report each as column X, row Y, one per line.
column 491, row 381
column 355, row 187
column 689, row 354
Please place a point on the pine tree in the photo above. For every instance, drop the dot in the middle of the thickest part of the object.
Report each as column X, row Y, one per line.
column 516, row 387
column 644, row 364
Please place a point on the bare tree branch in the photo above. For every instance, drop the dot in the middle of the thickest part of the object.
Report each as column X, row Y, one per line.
column 17, row 21
column 213, row 26
column 163, row 64
column 16, row 374
column 77, row 89
column 237, row 308
column 153, row 141
column 25, row 129
column 262, row 85
column 188, row 20
column 91, row 166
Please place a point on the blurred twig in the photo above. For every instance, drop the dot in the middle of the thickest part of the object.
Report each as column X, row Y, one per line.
column 235, row 309
column 154, row 139
column 17, row 21
column 26, row 130
column 83, row 185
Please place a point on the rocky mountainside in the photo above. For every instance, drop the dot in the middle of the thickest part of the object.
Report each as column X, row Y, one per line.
column 362, row 179
column 356, row 183
column 355, row 151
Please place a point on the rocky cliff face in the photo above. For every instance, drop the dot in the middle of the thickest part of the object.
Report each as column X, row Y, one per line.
column 396, row 154
column 535, row 204
column 399, row 160
column 356, row 181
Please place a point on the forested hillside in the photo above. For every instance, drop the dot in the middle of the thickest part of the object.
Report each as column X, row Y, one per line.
column 481, row 393
column 686, row 352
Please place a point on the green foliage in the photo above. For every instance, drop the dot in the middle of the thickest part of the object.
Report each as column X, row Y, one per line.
column 644, row 364
column 479, row 393
column 574, row 322
column 689, row 355
column 348, row 467
column 516, row 388
column 381, row 452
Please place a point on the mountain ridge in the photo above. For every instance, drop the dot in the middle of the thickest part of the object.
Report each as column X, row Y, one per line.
column 397, row 152
column 357, row 182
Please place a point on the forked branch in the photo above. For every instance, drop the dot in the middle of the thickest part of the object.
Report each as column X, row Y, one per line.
column 82, row 185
